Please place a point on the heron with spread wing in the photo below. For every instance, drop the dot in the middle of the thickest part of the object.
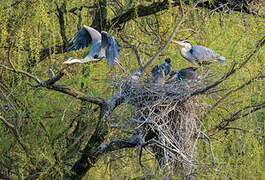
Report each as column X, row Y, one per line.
column 103, row 45
column 199, row 54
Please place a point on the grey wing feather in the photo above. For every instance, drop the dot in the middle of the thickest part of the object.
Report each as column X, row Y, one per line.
column 84, row 37
column 167, row 68
column 118, row 46
column 158, row 74
column 154, row 70
column 203, row 53
column 109, row 44
column 104, row 39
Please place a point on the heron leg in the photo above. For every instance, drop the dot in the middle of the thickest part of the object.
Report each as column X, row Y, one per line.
column 120, row 64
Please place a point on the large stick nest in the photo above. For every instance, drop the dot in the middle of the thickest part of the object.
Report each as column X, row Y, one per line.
column 166, row 115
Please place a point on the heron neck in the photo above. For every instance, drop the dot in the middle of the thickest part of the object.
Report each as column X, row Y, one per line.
column 86, row 59
column 184, row 52
column 89, row 58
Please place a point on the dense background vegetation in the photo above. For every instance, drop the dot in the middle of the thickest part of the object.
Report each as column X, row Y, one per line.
column 42, row 132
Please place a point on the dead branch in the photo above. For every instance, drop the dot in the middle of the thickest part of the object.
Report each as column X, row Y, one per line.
column 166, row 44
column 244, row 130
column 139, row 11
column 214, row 84
column 234, row 90
column 154, row 57
column 89, row 154
column 138, row 57
column 237, row 115
column 131, row 142
column 51, row 84
column 60, row 15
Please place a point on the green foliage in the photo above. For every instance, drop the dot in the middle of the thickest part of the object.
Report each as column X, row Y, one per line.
column 50, row 122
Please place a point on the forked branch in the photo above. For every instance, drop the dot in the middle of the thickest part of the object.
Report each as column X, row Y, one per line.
column 235, row 116
column 237, row 89
column 131, row 142
column 51, row 84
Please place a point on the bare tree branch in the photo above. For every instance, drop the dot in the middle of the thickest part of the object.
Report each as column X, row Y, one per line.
column 74, row 93
column 139, row 11
column 60, row 14
column 138, row 57
column 100, row 16
column 203, row 90
column 237, row 115
column 50, row 84
column 166, row 44
column 131, row 142
column 234, row 90
column 72, row 10
column 23, row 72
column 245, row 130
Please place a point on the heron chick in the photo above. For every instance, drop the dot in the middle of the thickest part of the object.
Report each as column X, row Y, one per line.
column 183, row 74
column 160, row 71
column 199, row 54
column 103, row 45
column 187, row 73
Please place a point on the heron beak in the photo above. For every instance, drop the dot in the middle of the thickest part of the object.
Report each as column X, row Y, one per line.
column 67, row 62
column 179, row 43
column 72, row 61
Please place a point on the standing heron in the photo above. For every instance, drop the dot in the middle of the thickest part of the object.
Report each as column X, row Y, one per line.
column 198, row 54
column 103, row 45
column 160, row 71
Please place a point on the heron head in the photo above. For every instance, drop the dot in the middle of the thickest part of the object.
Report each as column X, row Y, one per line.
column 168, row 60
column 185, row 43
column 191, row 68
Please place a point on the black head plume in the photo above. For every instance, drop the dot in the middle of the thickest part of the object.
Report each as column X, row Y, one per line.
column 192, row 68
column 186, row 41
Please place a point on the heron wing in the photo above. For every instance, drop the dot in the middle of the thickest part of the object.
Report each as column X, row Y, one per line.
column 118, row 46
column 167, row 68
column 203, row 53
column 187, row 73
column 158, row 73
column 154, row 70
column 104, row 39
column 84, row 37
column 111, row 47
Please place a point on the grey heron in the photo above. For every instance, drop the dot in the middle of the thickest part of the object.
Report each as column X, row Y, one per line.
column 103, row 45
column 160, row 71
column 199, row 54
